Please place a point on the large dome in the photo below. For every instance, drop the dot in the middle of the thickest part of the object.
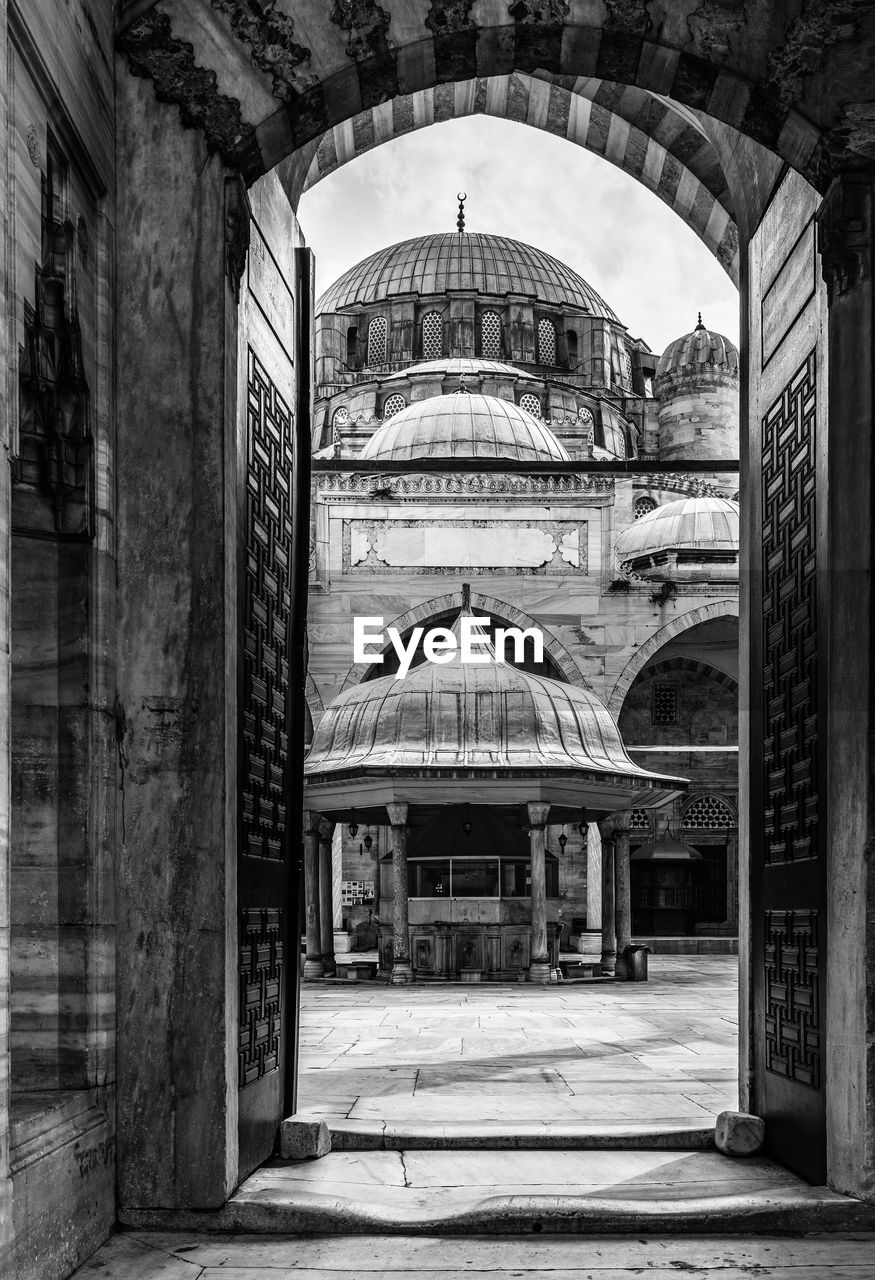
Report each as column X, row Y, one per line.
column 438, row 264
column 702, row 527
column 463, row 424
column 701, row 349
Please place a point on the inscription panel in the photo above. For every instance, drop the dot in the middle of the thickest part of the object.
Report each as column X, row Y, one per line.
column 793, row 1035
column 418, row 546
column 790, row 622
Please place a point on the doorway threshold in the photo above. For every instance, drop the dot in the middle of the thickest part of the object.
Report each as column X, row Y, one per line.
column 451, row 1193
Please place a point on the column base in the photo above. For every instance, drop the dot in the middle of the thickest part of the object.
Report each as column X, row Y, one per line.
column 329, row 966
column 313, row 969
column 402, row 972
column 621, row 966
column 609, row 964
column 539, row 971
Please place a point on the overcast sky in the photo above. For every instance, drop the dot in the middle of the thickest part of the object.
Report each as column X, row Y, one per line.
column 521, row 182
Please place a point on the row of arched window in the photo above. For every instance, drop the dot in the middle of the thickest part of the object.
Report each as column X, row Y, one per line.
column 491, row 345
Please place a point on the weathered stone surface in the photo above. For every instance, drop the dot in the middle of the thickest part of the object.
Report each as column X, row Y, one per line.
column 304, row 1139
column 739, row 1134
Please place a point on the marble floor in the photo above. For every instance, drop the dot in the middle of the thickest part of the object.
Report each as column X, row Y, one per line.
column 603, row 1054
column 193, row 1256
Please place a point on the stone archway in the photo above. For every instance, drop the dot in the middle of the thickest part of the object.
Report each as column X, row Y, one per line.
column 439, row 606
column 651, row 647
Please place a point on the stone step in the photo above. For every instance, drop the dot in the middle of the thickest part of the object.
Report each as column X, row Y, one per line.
column 383, row 1135
column 452, row 1193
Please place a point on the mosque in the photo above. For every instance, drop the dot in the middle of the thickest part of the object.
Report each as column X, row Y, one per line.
column 492, row 442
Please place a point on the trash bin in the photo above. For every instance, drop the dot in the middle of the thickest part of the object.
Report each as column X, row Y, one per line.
column 636, row 962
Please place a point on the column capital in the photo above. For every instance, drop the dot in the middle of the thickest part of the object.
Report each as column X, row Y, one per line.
column 622, row 821
column 844, row 231
column 311, row 822
column 538, row 813
column 606, row 827
column 398, row 814
column 326, row 829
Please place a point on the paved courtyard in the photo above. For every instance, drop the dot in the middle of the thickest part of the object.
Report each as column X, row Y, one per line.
column 607, row 1054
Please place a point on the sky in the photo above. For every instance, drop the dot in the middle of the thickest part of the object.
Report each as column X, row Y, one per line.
column 530, row 185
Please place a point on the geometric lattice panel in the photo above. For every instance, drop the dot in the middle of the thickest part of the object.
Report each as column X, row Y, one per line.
column 708, row 813
column 261, row 985
column 432, row 336
column 790, row 621
column 268, row 601
column 490, row 336
column 793, row 1032
column 546, row 342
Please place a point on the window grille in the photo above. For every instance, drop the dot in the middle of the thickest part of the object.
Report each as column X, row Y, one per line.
column 708, row 813
column 664, row 706
column 627, row 367
column 640, row 821
column 490, row 336
column 531, row 404
column 643, row 506
column 341, row 415
column 394, row 405
column 378, row 333
column 546, row 342
column 584, row 414
column 432, row 336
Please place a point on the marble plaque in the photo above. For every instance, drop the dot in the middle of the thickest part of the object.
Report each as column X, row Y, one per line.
column 418, row 546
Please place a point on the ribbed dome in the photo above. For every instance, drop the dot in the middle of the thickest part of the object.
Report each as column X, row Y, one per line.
column 703, row 348
column 463, row 716
column 436, row 264
column 462, row 424
column 704, row 525
column 458, row 366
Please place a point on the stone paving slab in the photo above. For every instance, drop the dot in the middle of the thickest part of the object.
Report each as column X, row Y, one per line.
column 606, row 1054
column 189, row 1256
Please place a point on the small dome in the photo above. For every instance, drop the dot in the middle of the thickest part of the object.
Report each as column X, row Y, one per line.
column 464, row 425
column 463, row 716
column 702, row 526
column 701, row 349
column 439, row 264
column 459, row 366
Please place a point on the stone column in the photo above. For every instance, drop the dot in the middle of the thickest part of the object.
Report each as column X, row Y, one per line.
column 609, row 930
column 622, row 890
column 326, row 904
column 593, row 876
column 539, row 967
column 313, row 967
column 401, row 968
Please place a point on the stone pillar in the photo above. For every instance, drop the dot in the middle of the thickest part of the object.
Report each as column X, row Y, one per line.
column 609, row 929
column 622, row 891
column 846, row 233
column 326, row 904
column 539, row 967
column 401, row 968
column 593, row 876
column 313, row 967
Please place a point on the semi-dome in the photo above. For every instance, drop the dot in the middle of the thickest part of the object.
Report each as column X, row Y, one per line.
column 485, row 264
column 463, row 424
column 701, row 349
column 471, row 720
column 697, row 530
column 461, row 367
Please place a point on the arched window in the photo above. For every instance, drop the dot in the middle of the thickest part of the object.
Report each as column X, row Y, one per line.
column 643, row 506
column 708, row 813
column 432, row 336
column 585, row 415
column 341, row 416
column 490, row 335
column 571, row 346
column 393, row 405
column 531, row 404
column 546, row 342
column 378, row 333
column 352, row 338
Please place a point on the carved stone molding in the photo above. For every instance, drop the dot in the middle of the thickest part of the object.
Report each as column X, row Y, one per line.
column 475, row 484
column 844, row 232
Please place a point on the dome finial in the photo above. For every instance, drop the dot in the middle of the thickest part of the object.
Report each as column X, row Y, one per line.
column 700, row 325
column 460, row 221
